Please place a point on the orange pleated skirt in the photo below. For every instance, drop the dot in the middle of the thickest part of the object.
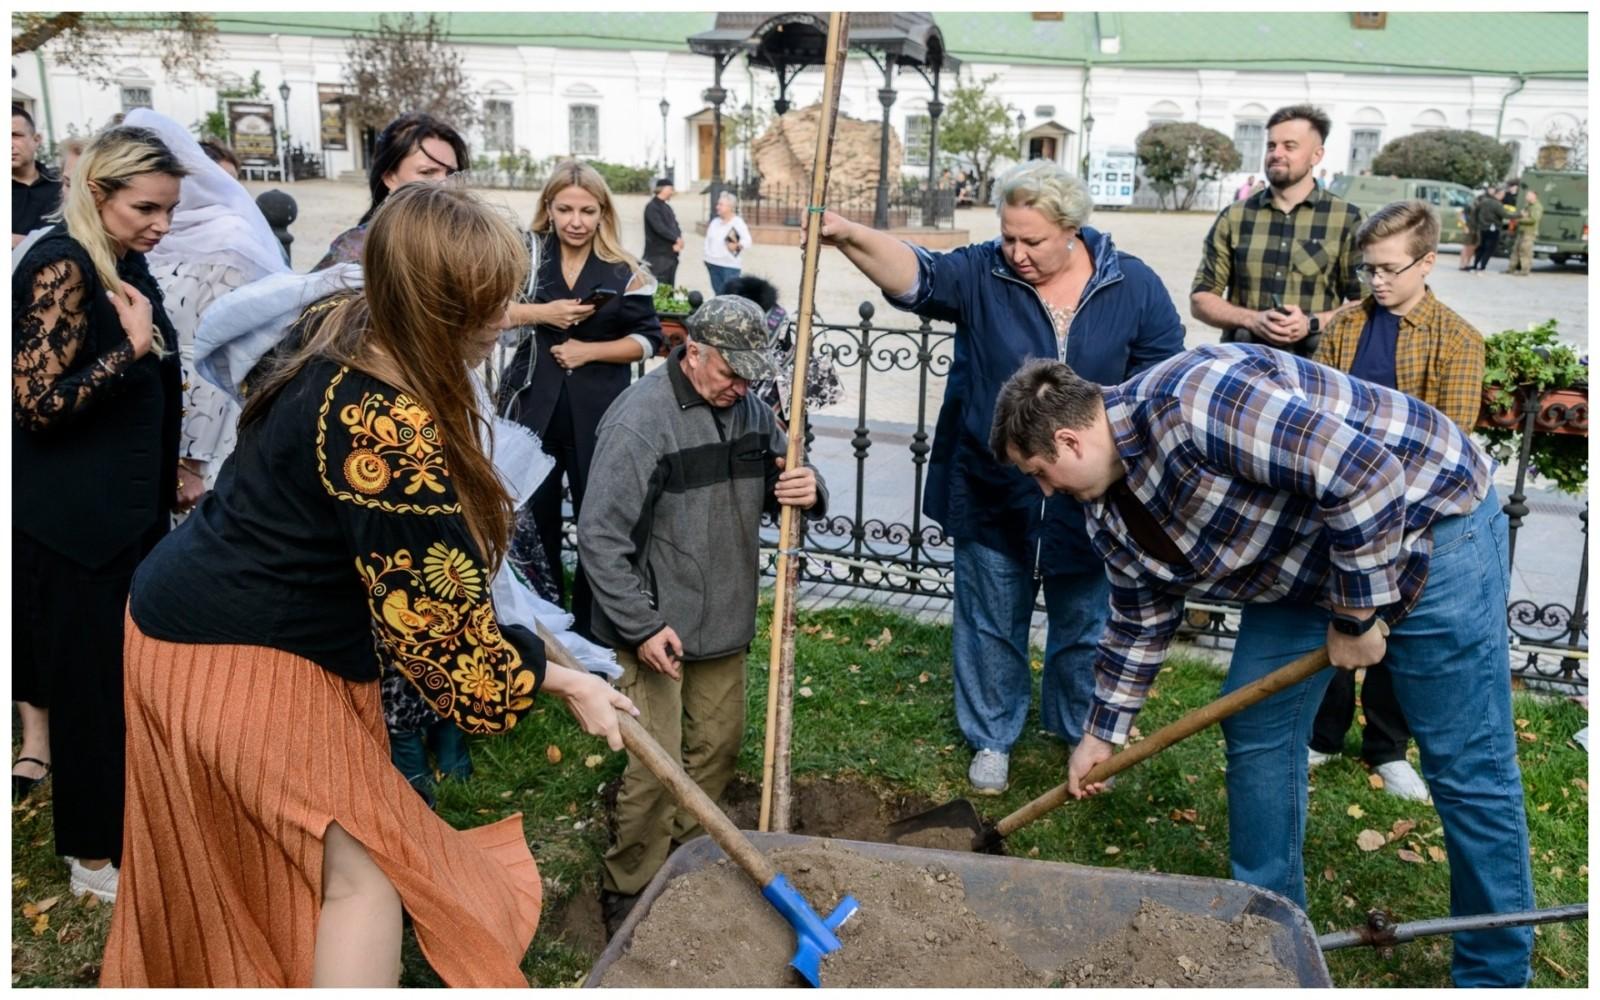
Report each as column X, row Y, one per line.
column 239, row 757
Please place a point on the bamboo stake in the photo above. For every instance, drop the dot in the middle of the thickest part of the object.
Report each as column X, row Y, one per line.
column 780, row 680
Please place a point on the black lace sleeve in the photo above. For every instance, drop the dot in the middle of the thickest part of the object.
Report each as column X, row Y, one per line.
column 50, row 386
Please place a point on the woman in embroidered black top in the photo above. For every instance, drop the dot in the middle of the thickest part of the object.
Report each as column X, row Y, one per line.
column 580, row 354
column 95, row 388
column 270, row 841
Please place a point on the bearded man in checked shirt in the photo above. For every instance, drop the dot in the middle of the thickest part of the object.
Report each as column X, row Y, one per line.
column 1341, row 513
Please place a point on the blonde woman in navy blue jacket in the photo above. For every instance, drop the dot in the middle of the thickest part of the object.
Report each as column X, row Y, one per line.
column 1047, row 287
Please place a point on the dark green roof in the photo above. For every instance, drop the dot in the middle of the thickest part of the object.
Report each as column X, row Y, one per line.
column 1534, row 44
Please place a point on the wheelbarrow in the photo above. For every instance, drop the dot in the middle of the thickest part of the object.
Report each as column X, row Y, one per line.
column 1037, row 908
column 961, row 813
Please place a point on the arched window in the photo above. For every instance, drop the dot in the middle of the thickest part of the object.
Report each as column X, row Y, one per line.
column 1430, row 119
column 1164, row 111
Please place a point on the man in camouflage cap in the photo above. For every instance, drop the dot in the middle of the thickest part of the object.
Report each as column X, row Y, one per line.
column 686, row 463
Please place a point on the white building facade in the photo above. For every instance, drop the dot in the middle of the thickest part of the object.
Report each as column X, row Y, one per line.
column 605, row 102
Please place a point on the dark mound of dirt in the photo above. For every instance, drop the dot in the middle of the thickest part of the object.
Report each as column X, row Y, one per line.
column 712, row 928
column 829, row 807
column 1164, row 947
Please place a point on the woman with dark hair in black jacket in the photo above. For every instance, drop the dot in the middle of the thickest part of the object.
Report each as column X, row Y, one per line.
column 414, row 147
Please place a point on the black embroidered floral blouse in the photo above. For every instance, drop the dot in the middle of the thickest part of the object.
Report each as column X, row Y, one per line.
column 334, row 526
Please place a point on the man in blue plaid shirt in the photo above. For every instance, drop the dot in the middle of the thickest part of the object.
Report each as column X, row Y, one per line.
column 1342, row 513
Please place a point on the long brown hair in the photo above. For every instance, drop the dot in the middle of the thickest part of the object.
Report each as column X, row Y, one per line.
column 607, row 235
column 439, row 266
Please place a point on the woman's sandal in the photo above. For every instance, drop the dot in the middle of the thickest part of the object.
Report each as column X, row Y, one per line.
column 21, row 784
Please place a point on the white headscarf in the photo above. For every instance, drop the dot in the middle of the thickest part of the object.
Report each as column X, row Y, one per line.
column 216, row 220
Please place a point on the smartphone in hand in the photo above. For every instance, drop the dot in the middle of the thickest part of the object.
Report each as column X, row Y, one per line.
column 598, row 297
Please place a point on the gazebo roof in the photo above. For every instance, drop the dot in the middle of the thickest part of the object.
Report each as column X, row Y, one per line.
column 791, row 40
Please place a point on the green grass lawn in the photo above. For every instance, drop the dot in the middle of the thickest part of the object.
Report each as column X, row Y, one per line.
column 879, row 709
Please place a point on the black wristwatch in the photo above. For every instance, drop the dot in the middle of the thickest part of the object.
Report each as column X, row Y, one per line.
column 1315, row 326
column 1351, row 625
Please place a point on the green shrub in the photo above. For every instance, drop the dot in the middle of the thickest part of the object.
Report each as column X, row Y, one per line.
column 1536, row 357
column 1180, row 157
column 623, row 179
column 1454, row 155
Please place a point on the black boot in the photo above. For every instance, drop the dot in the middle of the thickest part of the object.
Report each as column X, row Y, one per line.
column 614, row 908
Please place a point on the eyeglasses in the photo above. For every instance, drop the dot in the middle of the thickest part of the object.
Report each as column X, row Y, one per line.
column 1369, row 272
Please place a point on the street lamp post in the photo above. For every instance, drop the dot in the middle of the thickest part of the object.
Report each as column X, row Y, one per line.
column 1088, row 132
column 283, row 92
column 665, row 107
column 1022, row 144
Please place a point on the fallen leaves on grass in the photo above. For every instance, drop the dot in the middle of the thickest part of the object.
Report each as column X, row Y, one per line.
column 1183, row 815
column 924, row 677
column 1329, row 875
column 552, row 753
column 805, row 692
column 1401, row 828
column 593, row 760
column 1412, row 856
column 854, row 668
column 1528, row 737
column 1113, row 849
column 31, row 910
column 1437, row 853
column 1355, row 812
column 884, row 638
column 1375, row 781
column 41, row 923
column 1369, row 840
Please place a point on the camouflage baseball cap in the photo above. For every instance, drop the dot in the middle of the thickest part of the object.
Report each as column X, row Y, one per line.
column 736, row 327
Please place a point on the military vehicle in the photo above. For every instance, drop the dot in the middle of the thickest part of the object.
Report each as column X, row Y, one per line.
column 1372, row 193
column 1564, row 228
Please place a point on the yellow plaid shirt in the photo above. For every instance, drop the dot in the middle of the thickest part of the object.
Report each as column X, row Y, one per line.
column 1438, row 358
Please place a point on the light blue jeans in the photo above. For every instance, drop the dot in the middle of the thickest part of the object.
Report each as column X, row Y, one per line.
column 1452, row 677
column 989, row 639
column 720, row 276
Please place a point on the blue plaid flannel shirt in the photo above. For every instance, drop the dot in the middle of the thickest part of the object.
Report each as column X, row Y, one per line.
column 1279, row 479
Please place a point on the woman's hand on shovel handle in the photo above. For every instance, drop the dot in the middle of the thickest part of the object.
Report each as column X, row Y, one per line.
column 592, row 701
column 1090, row 751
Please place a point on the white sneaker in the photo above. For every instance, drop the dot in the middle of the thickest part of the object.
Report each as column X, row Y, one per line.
column 1402, row 781
column 101, row 882
column 989, row 771
column 1315, row 758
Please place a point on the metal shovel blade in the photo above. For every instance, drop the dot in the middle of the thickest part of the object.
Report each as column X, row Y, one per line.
column 957, row 814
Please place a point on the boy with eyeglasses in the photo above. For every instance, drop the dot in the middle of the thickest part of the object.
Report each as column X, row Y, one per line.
column 1400, row 337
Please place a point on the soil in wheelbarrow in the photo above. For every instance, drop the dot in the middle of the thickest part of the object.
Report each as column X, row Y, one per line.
column 1164, row 947
column 712, row 928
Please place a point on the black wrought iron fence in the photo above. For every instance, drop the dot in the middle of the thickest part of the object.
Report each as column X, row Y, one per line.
column 875, row 539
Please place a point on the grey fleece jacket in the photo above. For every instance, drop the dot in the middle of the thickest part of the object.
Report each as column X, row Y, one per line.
column 670, row 528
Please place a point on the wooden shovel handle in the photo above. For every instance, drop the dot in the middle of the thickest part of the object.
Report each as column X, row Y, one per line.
column 671, row 774
column 1285, row 676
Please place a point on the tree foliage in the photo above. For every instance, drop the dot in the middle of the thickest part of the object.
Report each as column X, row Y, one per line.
column 85, row 41
column 1181, row 157
column 406, row 65
column 977, row 129
column 1454, row 155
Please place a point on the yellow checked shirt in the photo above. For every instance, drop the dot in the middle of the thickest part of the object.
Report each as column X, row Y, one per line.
column 1306, row 256
column 1438, row 358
